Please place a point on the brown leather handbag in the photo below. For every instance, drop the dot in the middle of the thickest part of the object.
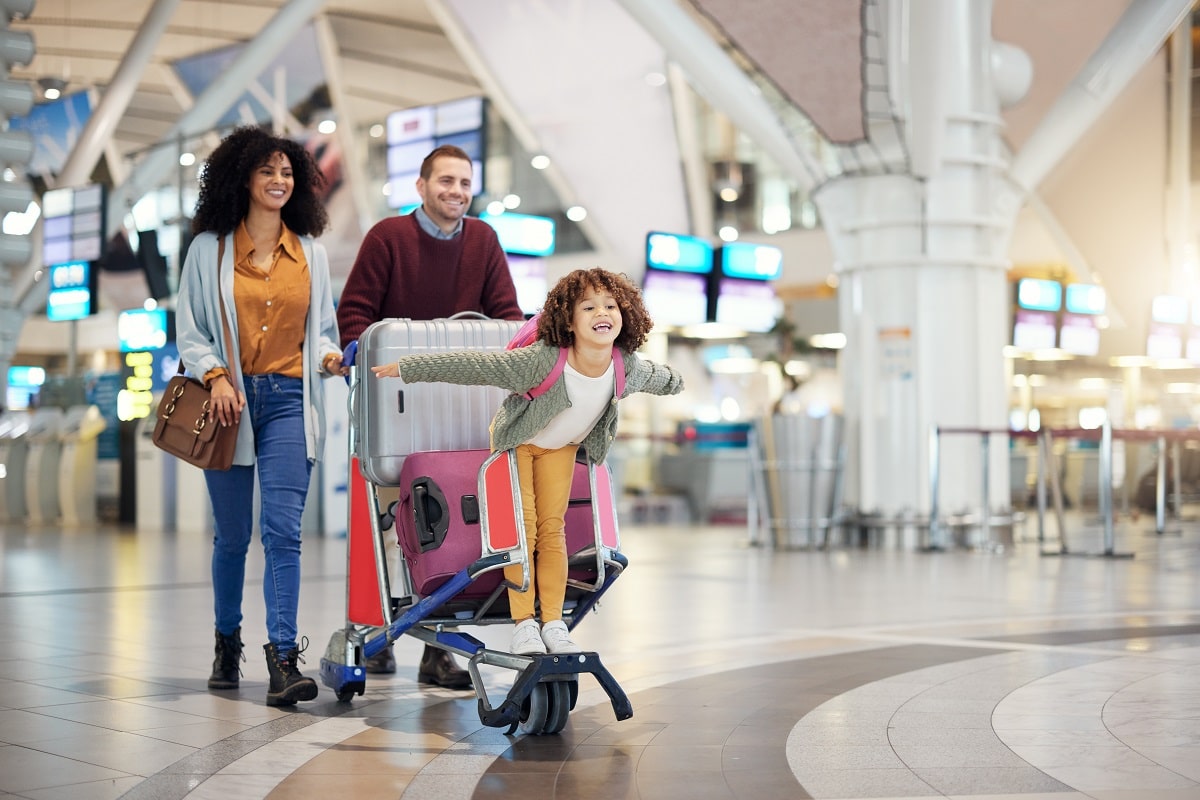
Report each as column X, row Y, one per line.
column 186, row 426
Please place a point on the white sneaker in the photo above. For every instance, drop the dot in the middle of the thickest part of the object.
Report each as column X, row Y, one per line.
column 557, row 639
column 526, row 640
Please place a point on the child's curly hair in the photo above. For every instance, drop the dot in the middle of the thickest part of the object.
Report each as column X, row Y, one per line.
column 225, row 200
column 554, row 326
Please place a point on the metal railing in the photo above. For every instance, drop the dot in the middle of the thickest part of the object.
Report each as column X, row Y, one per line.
column 1048, row 487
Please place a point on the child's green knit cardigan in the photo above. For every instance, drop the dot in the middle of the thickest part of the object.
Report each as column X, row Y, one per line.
column 520, row 370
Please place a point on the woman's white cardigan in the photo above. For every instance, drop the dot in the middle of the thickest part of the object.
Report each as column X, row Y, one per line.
column 201, row 338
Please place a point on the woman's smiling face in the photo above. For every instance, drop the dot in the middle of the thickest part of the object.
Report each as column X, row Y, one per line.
column 271, row 183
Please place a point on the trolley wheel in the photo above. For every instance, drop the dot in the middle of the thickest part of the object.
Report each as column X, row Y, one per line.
column 560, row 706
column 347, row 692
column 535, row 710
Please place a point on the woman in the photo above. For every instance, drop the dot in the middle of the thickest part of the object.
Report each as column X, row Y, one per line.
column 257, row 214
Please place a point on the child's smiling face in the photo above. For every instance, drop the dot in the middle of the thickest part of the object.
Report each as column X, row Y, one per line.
column 597, row 318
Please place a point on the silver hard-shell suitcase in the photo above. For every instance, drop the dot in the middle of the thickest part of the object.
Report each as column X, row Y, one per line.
column 396, row 419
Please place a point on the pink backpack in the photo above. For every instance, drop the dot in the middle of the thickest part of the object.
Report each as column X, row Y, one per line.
column 527, row 335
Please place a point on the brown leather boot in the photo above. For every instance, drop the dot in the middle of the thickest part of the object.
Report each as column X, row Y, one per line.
column 382, row 663
column 438, row 668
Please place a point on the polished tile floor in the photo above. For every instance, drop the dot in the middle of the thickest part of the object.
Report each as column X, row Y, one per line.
column 876, row 671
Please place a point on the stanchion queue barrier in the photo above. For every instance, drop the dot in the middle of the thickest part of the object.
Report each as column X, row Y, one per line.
column 802, row 466
column 936, row 534
column 1045, row 438
column 1161, row 437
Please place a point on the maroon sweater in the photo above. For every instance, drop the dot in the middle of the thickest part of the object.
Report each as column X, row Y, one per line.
column 401, row 271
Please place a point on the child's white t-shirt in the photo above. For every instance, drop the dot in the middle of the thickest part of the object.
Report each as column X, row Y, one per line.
column 589, row 398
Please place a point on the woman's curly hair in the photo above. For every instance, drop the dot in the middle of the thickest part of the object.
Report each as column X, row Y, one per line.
column 554, row 325
column 225, row 198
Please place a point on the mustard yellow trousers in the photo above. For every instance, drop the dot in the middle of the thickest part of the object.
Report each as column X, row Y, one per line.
column 545, row 478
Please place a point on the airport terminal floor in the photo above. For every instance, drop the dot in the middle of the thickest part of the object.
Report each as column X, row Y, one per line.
column 859, row 671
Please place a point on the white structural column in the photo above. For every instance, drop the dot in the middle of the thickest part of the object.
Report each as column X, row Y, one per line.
column 922, row 272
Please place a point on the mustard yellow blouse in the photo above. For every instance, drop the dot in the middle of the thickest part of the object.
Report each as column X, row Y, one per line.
column 272, row 306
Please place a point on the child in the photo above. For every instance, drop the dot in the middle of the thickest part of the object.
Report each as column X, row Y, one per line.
column 589, row 312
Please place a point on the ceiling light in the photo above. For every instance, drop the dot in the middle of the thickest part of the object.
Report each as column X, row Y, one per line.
column 327, row 126
column 52, row 88
column 511, row 201
column 576, row 213
column 728, row 233
column 540, row 162
column 376, row 131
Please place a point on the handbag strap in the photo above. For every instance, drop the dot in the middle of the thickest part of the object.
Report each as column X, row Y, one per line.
column 221, row 300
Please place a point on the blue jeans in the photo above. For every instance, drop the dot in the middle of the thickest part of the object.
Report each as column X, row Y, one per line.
column 275, row 411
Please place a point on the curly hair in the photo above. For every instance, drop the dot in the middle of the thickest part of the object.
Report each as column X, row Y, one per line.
column 554, row 325
column 224, row 196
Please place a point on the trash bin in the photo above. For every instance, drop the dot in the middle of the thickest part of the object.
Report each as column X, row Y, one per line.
column 41, row 476
column 802, row 469
column 14, row 456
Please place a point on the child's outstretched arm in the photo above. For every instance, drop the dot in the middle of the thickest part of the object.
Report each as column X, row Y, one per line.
column 387, row 370
column 391, row 370
column 652, row 378
column 515, row 370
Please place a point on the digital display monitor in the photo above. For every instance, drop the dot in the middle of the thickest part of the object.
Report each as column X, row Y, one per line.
column 1169, row 309
column 144, row 329
column 410, row 124
column 1038, row 294
column 748, row 304
column 26, row 377
column 1164, row 341
column 73, row 224
column 1079, row 335
column 458, row 115
column 756, row 262
column 675, row 298
column 1086, row 298
column 1035, row 330
column 72, row 291
column 678, row 253
column 523, row 234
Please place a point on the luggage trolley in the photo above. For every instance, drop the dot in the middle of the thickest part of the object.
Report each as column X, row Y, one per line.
column 459, row 522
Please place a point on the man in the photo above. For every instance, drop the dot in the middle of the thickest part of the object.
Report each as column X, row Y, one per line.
column 430, row 264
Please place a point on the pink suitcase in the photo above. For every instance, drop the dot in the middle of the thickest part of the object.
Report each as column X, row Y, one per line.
column 438, row 527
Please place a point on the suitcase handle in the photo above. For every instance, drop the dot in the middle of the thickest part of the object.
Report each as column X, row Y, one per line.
column 432, row 515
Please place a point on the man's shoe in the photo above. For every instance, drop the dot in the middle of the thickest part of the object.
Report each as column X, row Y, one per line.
column 527, row 639
column 557, row 639
column 382, row 663
column 438, row 668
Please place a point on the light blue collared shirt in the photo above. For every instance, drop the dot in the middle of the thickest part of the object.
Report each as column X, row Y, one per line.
column 430, row 227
